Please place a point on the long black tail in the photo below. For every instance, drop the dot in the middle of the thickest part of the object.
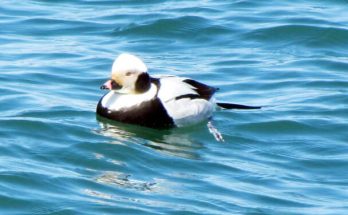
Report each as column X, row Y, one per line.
column 236, row 106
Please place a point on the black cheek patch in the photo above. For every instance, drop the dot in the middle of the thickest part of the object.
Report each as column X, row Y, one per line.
column 143, row 83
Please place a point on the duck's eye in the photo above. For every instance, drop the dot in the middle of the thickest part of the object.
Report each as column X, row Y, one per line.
column 129, row 73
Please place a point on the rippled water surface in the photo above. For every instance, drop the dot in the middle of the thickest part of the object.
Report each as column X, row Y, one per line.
column 291, row 157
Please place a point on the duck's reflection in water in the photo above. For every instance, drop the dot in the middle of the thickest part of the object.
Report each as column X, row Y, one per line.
column 175, row 142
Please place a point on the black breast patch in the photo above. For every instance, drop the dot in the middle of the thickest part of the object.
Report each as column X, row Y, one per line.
column 149, row 113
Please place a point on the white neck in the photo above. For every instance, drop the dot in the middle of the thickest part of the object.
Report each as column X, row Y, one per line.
column 115, row 101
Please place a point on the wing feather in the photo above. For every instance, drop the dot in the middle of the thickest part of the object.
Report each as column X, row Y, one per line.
column 186, row 101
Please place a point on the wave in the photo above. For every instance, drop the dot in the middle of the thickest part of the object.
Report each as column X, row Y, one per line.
column 185, row 27
column 308, row 35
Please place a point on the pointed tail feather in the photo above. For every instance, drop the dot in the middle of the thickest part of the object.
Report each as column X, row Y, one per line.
column 236, row 106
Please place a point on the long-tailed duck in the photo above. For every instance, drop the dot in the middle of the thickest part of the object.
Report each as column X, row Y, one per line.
column 157, row 102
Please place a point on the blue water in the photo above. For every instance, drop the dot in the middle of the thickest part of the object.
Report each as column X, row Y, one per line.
column 291, row 157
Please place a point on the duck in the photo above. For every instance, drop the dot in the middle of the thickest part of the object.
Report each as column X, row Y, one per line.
column 159, row 102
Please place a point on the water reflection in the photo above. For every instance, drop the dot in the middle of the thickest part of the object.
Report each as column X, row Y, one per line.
column 125, row 181
column 175, row 142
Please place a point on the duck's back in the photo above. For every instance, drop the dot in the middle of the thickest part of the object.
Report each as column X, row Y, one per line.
column 186, row 101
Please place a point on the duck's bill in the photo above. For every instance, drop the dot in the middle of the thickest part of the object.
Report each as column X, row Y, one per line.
column 110, row 85
column 106, row 86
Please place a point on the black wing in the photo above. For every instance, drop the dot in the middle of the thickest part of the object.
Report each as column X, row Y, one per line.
column 204, row 91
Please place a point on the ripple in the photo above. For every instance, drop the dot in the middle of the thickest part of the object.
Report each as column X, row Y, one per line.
column 54, row 27
column 176, row 142
column 125, row 181
column 309, row 35
column 179, row 27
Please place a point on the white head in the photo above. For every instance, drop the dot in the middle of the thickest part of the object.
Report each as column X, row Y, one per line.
column 129, row 75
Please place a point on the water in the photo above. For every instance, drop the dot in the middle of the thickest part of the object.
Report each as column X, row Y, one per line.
column 291, row 157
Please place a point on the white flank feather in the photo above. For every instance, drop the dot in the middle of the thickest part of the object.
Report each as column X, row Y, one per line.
column 189, row 111
column 172, row 87
column 184, row 111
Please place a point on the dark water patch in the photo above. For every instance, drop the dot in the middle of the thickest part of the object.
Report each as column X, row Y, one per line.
column 47, row 55
column 137, row 3
column 55, row 27
column 116, row 18
column 237, row 62
column 12, row 11
column 57, row 2
column 307, row 35
column 5, row 40
column 54, row 113
column 245, row 4
column 330, row 85
column 15, row 205
column 47, row 130
column 52, row 23
column 15, row 101
column 49, row 79
column 198, row 10
column 286, row 127
column 179, row 28
column 312, row 21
